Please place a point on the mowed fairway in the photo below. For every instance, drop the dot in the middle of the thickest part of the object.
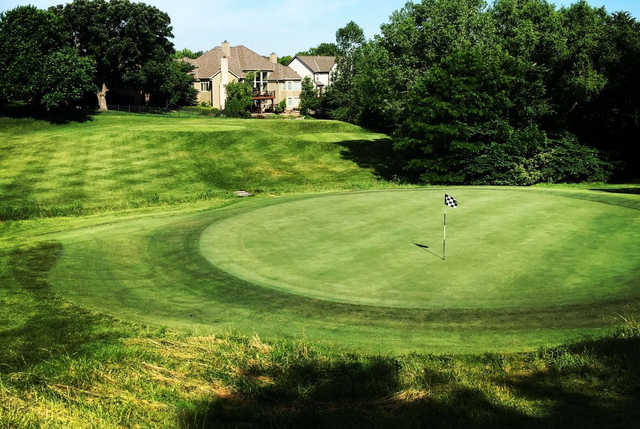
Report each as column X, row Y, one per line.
column 525, row 268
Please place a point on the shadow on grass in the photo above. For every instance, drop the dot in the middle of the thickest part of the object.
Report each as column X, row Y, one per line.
column 595, row 384
column 377, row 155
column 52, row 328
column 427, row 249
column 632, row 190
column 20, row 111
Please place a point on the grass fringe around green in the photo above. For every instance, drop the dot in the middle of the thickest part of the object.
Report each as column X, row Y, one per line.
column 63, row 366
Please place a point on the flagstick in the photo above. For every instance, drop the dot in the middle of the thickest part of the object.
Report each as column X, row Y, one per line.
column 444, row 235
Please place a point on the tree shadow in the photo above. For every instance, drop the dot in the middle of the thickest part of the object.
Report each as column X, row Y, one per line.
column 632, row 190
column 378, row 155
column 53, row 328
column 22, row 111
column 600, row 389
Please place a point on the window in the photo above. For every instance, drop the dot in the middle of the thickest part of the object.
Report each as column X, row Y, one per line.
column 205, row 85
column 289, row 85
column 283, row 86
column 260, row 81
column 289, row 102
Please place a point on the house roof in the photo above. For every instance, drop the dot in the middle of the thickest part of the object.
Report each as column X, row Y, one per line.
column 316, row 63
column 241, row 61
column 281, row 72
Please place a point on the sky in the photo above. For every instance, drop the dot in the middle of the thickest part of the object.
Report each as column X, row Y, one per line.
column 281, row 26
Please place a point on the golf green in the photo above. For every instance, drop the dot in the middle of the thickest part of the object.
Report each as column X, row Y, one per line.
column 363, row 270
column 505, row 248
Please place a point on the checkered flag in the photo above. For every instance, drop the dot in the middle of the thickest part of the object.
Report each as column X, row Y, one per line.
column 450, row 201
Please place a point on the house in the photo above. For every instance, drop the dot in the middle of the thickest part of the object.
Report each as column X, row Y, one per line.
column 318, row 68
column 224, row 64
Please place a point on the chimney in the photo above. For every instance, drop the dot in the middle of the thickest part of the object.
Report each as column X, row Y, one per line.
column 224, row 80
column 226, row 49
column 274, row 58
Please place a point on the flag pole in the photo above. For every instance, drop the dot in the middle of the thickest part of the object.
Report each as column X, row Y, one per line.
column 444, row 234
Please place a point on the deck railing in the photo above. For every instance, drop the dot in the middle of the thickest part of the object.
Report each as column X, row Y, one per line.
column 268, row 94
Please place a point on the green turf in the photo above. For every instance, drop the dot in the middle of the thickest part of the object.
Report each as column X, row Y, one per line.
column 142, row 189
column 117, row 161
column 507, row 249
column 151, row 269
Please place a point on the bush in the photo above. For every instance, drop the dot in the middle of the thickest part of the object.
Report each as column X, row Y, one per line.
column 562, row 160
column 567, row 161
column 238, row 104
column 281, row 107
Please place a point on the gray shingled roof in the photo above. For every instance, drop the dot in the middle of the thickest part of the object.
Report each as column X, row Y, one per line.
column 241, row 60
column 281, row 72
column 317, row 64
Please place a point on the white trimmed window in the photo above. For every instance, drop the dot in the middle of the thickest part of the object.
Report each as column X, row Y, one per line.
column 283, row 86
column 260, row 81
column 205, row 85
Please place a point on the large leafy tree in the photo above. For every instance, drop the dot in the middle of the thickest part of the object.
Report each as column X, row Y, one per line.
column 66, row 79
column 38, row 65
column 186, row 53
column 121, row 36
column 474, row 100
column 611, row 120
column 168, row 83
column 323, row 49
column 480, row 93
column 349, row 39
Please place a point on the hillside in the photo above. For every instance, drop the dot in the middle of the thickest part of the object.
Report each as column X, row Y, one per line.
column 117, row 161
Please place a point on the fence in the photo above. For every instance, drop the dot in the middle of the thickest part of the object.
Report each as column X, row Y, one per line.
column 133, row 108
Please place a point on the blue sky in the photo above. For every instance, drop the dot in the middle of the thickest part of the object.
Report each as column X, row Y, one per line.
column 283, row 26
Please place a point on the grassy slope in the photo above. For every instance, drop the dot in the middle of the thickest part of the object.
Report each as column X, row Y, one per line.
column 62, row 365
column 118, row 161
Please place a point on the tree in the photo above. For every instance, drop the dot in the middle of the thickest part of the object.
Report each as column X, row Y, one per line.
column 169, row 84
column 121, row 37
column 309, row 97
column 286, row 60
column 323, row 49
column 472, row 100
column 239, row 101
column 186, row 53
column 38, row 64
column 348, row 40
column 66, row 79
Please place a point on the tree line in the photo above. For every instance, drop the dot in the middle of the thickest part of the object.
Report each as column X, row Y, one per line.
column 514, row 92
column 71, row 55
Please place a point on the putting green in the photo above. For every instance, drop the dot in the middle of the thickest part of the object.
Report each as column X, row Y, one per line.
column 525, row 268
column 506, row 248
